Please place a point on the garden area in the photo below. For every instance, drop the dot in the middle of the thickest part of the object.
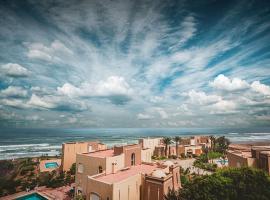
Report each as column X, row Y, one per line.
column 23, row 174
column 227, row 183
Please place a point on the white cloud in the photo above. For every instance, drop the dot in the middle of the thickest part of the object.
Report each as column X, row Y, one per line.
column 223, row 106
column 47, row 53
column 14, row 91
column 142, row 116
column 222, row 82
column 114, row 87
column 16, row 103
column 40, row 102
column 260, row 88
column 14, row 70
column 201, row 98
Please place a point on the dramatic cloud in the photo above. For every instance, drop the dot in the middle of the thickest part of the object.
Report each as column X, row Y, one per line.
column 224, row 83
column 123, row 63
column 201, row 98
column 114, row 88
column 13, row 91
column 261, row 88
column 14, row 70
column 47, row 53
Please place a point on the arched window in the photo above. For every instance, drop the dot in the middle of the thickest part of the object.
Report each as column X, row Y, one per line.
column 132, row 159
column 94, row 196
column 100, row 170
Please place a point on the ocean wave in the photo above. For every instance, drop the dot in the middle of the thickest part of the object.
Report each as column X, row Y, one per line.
column 23, row 145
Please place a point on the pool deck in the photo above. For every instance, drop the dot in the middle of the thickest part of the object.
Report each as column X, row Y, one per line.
column 42, row 167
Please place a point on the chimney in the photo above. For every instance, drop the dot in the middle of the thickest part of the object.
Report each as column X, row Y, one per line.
column 114, row 167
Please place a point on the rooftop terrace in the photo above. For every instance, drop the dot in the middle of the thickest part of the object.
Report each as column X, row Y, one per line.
column 244, row 154
column 126, row 173
column 101, row 153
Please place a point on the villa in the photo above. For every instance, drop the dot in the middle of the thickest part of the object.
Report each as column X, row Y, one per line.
column 70, row 149
column 121, row 173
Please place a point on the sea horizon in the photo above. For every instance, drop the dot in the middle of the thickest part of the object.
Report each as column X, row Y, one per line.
column 34, row 142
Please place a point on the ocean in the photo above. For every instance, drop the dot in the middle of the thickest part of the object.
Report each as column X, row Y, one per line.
column 18, row 143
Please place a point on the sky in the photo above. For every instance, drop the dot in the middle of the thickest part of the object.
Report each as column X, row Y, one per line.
column 120, row 63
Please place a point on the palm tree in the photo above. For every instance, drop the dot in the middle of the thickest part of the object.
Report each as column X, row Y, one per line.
column 213, row 142
column 177, row 140
column 167, row 141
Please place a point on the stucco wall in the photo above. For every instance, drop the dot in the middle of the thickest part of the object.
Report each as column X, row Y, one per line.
column 102, row 189
column 236, row 160
column 128, row 189
column 146, row 155
column 90, row 167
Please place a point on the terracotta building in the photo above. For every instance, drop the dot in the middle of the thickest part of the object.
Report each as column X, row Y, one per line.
column 70, row 149
column 256, row 156
column 119, row 173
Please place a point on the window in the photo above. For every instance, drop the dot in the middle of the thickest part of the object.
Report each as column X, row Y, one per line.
column 94, row 196
column 80, row 168
column 100, row 170
column 133, row 159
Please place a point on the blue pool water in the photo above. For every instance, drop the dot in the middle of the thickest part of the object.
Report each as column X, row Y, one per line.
column 222, row 161
column 33, row 196
column 51, row 165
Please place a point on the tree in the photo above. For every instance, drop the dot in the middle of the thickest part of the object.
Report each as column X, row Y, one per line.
column 213, row 142
column 177, row 140
column 167, row 141
column 228, row 184
column 222, row 144
column 73, row 169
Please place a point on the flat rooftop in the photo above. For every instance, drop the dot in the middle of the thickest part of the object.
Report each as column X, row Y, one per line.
column 126, row 173
column 101, row 154
column 244, row 154
column 265, row 153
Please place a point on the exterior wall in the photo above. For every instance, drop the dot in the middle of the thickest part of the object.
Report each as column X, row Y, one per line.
column 146, row 155
column 193, row 149
column 102, row 189
column 264, row 162
column 159, row 151
column 128, row 189
column 90, row 167
column 240, row 161
column 128, row 150
column 181, row 149
column 172, row 150
column 120, row 163
column 69, row 151
column 156, row 188
column 176, row 182
column 150, row 143
column 153, row 189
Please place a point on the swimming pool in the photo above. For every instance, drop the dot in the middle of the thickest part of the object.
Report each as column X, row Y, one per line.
column 51, row 165
column 223, row 162
column 34, row 196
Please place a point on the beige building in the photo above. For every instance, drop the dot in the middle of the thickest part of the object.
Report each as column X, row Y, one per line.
column 150, row 143
column 256, row 156
column 119, row 173
column 70, row 149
